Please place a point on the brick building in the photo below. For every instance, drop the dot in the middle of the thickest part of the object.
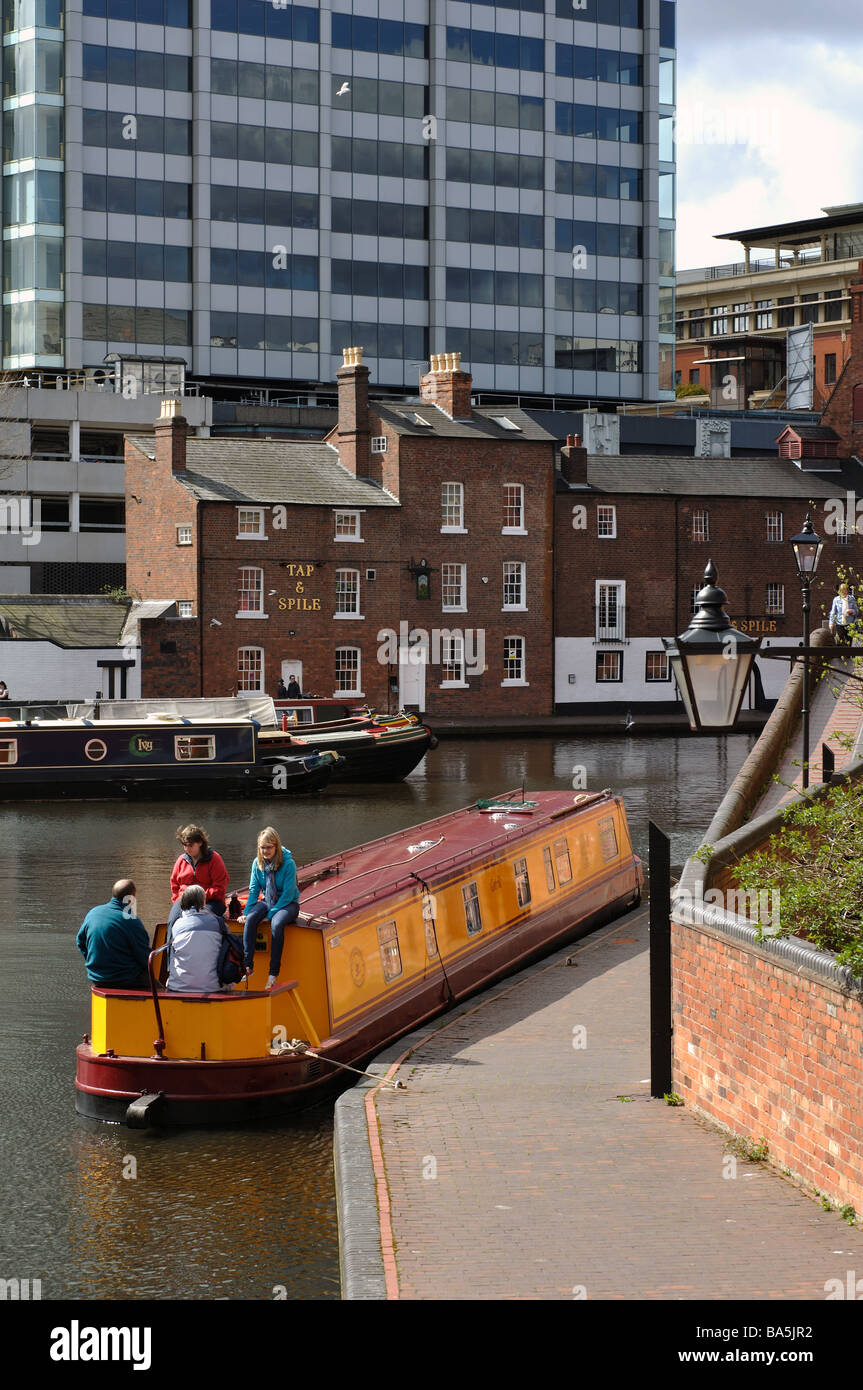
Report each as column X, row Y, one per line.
column 633, row 536
column 406, row 559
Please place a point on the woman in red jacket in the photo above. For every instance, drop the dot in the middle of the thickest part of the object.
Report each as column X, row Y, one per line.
column 198, row 864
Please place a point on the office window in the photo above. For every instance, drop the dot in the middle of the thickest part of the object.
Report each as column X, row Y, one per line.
column 251, row 591
column 250, row 671
column 701, row 526
column 522, row 882
column 388, row 941
column 741, row 318
column 513, row 661
column 695, row 376
column 452, row 507
column 472, row 913
column 606, row 522
column 809, row 308
column 348, row 671
column 609, row 667
column 453, row 588
column 452, row 661
column 763, row 318
column 774, row 526
column 833, row 307
column 785, row 317
column 829, row 368
column 775, row 600
column 347, row 593
column 514, row 584
column 184, row 535
column 513, row 507
column 347, row 526
column 656, row 667
column 718, row 321
column 250, row 523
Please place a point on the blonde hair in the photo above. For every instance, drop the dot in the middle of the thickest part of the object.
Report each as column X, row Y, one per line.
column 270, row 836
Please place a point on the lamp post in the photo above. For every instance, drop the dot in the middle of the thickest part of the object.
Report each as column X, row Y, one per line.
column 807, row 549
column 711, row 661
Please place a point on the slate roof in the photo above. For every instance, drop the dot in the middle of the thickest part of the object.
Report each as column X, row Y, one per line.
column 401, row 416
column 295, row 471
column 819, row 432
column 75, row 620
column 680, row 476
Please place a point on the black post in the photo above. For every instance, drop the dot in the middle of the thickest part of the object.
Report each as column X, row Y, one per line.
column 828, row 763
column 660, row 963
column 805, row 710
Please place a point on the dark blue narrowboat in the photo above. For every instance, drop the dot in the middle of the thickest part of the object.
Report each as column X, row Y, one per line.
column 168, row 754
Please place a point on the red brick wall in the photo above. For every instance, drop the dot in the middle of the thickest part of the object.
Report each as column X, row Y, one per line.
column 766, row 1052
column 156, row 566
column 660, row 574
column 307, row 540
column 483, row 466
column 165, row 673
column 839, row 412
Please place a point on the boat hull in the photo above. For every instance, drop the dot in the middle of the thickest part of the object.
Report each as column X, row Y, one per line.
column 195, row 1092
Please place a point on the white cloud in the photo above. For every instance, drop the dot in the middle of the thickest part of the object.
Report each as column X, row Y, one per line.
column 754, row 153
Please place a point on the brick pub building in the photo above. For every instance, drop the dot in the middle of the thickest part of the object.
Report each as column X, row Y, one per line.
column 405, row 560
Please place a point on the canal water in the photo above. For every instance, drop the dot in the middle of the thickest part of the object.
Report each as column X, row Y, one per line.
column 101, row 1212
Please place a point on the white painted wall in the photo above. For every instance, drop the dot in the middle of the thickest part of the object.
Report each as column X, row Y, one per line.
column 41, row 671
column 577, row 656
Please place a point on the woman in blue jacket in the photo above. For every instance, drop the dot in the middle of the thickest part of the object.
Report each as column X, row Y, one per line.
column 273, row 893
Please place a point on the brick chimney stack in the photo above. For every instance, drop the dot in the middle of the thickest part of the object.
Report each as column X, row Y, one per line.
column 352, row 438
column 171, row 432
column 573, row 460
column 447, row 386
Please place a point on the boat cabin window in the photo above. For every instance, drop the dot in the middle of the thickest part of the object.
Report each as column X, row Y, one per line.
column 549, row 869
column 388, row 939
column 194, row 748
column 8, row 750
column 608, row 839
column 564, row 868
column 522, row 882
column 472, row 914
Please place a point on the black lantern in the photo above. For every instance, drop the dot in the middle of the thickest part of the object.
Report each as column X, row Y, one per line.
column 807, row 549
column 711, row 661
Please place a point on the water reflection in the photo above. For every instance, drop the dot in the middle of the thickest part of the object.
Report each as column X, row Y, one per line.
column 227, row 1213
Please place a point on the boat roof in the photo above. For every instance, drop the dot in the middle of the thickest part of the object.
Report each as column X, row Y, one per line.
column 152, row 721
column 378, row 869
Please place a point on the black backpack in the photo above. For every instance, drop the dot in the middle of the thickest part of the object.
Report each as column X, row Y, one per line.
column 231, row 965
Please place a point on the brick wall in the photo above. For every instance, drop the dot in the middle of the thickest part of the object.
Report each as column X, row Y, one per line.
column 661, row 571
column 482, row 466
column 156, row 566
column 765, row 1051
column 839, row 412
column 170, row 659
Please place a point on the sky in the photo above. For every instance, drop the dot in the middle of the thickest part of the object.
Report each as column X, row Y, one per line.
column 768, row 125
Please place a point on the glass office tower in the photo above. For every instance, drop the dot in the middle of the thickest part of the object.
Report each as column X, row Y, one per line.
column 253, row 185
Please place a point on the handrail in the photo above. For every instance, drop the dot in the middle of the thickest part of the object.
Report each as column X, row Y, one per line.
column 159, row 1044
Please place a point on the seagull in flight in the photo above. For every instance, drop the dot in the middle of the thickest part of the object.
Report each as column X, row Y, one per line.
column 345, row 87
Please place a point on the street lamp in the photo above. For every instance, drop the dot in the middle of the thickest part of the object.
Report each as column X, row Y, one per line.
column 807, row 549
column 711, row 661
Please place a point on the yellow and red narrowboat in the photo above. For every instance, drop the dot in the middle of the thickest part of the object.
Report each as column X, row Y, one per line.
column 389, row 934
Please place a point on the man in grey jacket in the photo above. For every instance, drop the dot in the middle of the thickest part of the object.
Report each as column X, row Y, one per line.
column 195, row 940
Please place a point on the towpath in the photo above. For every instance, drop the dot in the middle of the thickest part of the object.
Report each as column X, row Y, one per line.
column 835, row 719
column 525, row 1159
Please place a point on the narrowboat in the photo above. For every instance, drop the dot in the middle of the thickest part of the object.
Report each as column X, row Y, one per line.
column 373, row 748
column 389, row 934
column 164, row 754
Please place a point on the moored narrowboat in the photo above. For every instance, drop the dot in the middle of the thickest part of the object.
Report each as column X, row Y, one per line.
column 389, row 934
column 164, row 754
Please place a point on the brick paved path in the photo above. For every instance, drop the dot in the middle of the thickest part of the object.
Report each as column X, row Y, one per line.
column 547, row 1182
column 836, row 709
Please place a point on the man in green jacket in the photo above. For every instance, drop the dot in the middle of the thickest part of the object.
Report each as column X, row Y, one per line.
column 115, row 944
